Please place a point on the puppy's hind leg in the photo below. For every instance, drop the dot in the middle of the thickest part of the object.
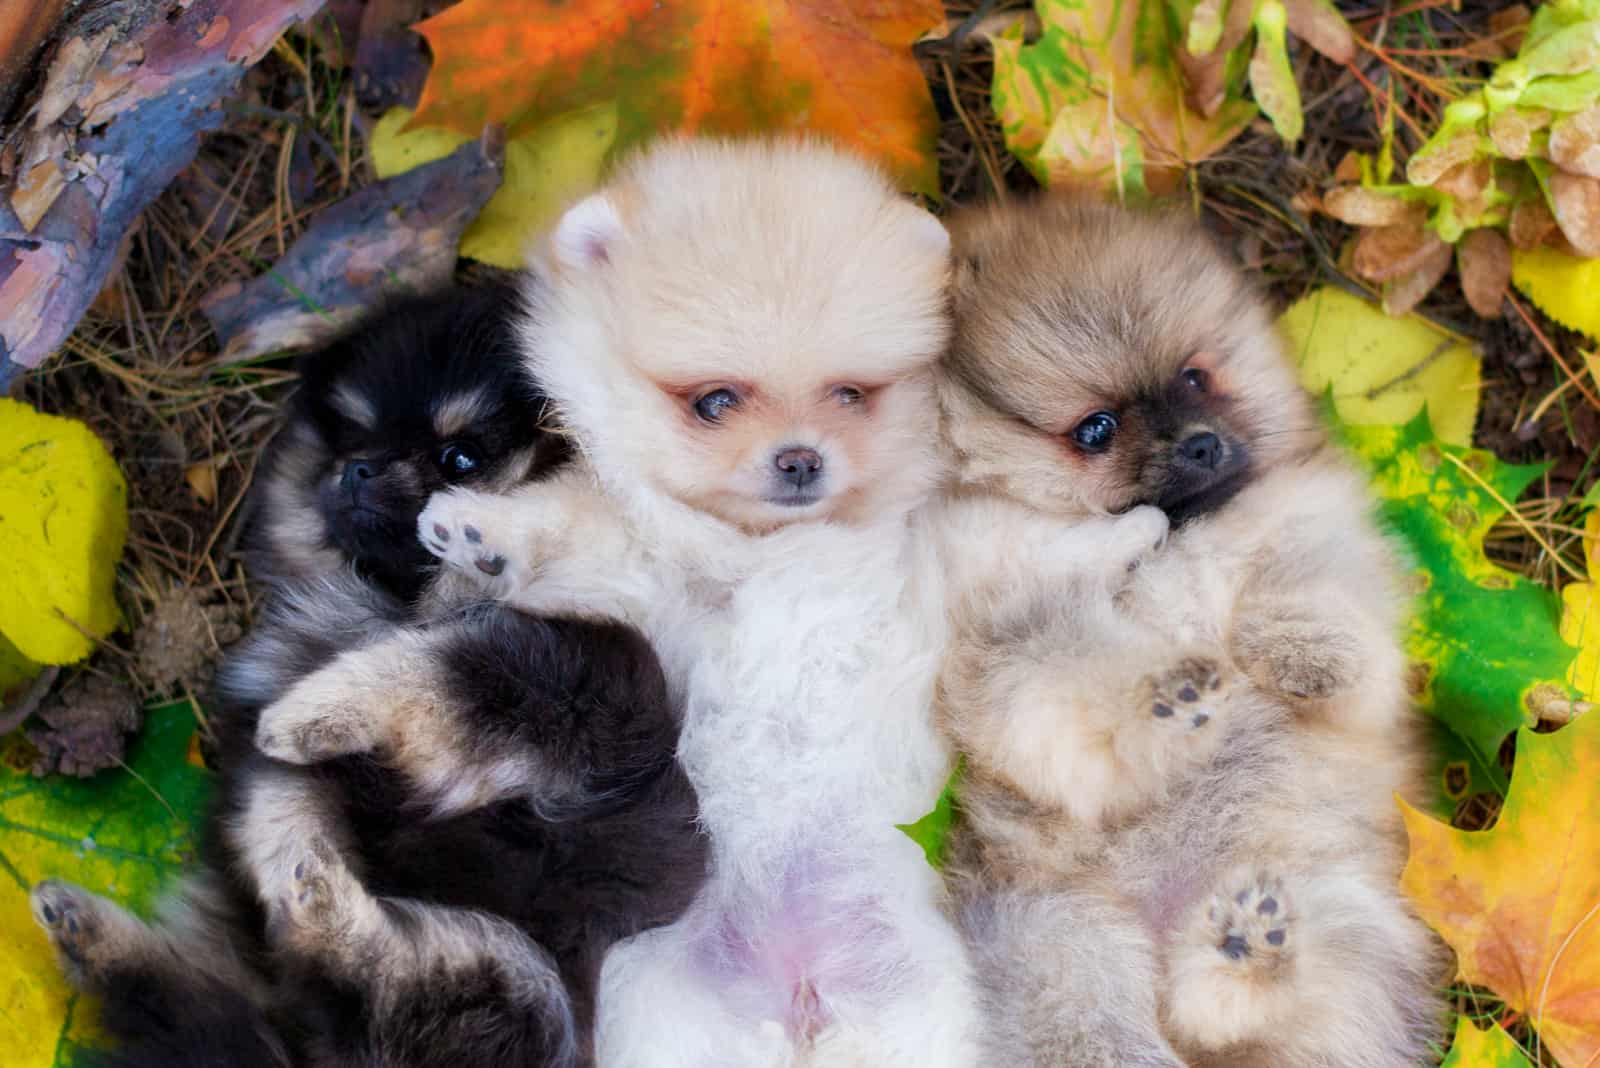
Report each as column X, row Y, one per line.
column 174, row 992
column 1299, row 964
column 1065, row 978
column 432, row 979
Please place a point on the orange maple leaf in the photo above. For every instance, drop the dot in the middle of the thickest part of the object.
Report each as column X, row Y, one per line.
column 841, row 68
column 1520, row 903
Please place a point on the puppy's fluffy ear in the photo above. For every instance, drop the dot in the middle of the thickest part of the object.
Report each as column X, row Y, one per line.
column 586, row 234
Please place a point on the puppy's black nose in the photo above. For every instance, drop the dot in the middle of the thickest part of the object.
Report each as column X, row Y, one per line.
column 358, row 472
column 800, row 466
column 1202, row 450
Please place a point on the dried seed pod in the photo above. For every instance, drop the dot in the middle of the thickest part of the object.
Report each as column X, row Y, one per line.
column 1531, row 222
column 1483, row 258
column 1406, row 292
column 1389, row 252
column 1577, row 209
column 1575, row 142
column 1360, row 206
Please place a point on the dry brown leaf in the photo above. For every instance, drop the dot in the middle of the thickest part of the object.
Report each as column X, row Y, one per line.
column 1484, row 260
column 1319, row 24
column 1577, row 208
column 1575, row 142
column 1360, row 206
column 1388, row 252
column 1406, row 292
column 1349, row 168
column 1531, row 222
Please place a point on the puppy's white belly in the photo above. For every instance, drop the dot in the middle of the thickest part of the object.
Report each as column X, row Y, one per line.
column 811, row 696
column 808, row 734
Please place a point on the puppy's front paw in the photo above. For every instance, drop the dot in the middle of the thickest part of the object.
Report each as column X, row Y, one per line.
column 1298, row 657
column 1136, row 534
column 314, row 722
column 460, row 528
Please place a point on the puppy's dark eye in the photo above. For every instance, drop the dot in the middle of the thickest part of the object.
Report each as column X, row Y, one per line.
column 848, row 395
column 1196, row 379
column 457, row 459
column 1095, row 432
column 714, row 405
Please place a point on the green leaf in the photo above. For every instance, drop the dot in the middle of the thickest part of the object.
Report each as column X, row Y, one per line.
column 63, row 518
column 124, row 834
column 932, row 829
column 1484, row 640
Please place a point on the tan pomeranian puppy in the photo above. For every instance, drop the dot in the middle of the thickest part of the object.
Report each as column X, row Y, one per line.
column 740, row 339
column 1179, row 842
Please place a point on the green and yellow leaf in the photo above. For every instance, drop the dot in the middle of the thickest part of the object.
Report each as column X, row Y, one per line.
column 1484, row 641
column 125, row 834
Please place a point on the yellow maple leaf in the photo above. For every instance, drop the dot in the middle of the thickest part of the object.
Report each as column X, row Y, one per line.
column 1567, row 288
column 1520, row 903
column 63, row 519
column 545, row 171
column 1580, row 616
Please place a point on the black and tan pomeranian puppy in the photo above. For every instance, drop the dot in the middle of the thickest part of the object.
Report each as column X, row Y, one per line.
column 348, row 914
column 1180, row 844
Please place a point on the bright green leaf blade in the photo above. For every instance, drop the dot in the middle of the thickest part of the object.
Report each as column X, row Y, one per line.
column 931, row 831
column 1380, row 369
column 123, row 833
column 1489, row 1048
column 1486, row 640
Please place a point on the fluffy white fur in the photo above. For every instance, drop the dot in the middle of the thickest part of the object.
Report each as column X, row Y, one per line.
column 795, row 627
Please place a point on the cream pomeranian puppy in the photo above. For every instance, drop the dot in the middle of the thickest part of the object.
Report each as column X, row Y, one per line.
column 1179, row 842
column 740, row 339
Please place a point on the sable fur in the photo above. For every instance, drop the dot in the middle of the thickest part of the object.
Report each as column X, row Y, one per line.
column 347, row 914
column 1179, row 844
column 783, row 605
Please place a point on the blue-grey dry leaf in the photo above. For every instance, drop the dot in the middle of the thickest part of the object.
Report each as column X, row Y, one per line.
column 399, row 235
